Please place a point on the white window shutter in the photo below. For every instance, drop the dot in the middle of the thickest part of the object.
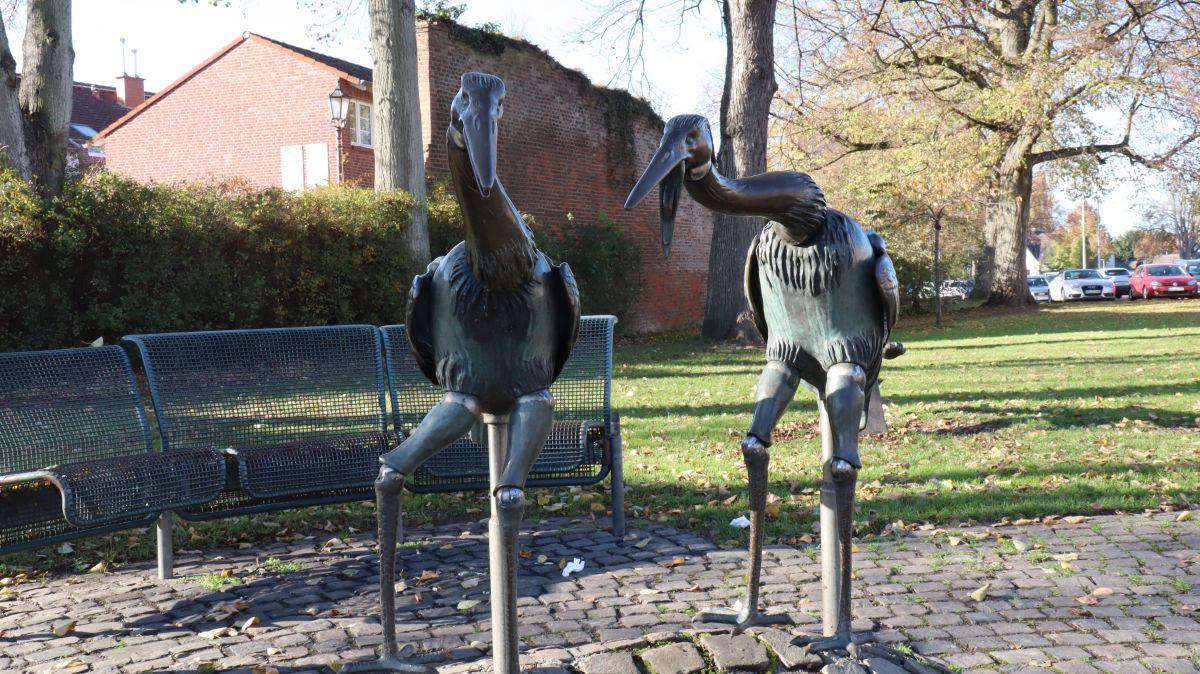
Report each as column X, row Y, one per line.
column 316, row 165
column 291, row 167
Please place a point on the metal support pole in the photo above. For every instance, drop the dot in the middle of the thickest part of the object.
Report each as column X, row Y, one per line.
column 502, row 554
column 166, row 552
column 937, row 269
column 618, row 479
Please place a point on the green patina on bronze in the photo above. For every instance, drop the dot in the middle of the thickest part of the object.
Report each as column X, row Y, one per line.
column 823, row 293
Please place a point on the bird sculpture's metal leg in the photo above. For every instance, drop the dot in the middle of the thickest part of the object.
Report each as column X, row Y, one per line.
column 841, row 409
column 776, row 387
column 514, row 440
column 448, row 421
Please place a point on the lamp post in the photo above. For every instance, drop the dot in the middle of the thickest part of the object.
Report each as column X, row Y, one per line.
column 339, row 106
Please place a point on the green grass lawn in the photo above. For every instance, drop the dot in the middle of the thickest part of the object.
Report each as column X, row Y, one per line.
column 1074, row 409
column 1066, row 410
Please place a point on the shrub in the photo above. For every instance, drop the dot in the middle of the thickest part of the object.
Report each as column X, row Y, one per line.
column 606, row 263
column 112, row 256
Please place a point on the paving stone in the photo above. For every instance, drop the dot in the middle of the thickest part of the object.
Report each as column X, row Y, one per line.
column 736, row 653
column 789, row 654
column 678, row 658
column 620, row 662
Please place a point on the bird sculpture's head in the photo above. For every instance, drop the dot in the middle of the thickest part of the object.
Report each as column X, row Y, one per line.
column 474, row 112
column 686, row 148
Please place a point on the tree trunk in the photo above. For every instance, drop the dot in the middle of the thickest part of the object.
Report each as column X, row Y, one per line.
column 12, row 135
column 45, row 91
column 745, row 107
column 399, row 155
column 1007, row 220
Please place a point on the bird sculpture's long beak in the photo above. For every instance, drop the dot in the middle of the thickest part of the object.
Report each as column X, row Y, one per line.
column 665, row 170
column 479, row 135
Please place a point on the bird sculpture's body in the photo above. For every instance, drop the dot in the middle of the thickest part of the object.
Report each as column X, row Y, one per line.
column 492, row 322
column 823, row 294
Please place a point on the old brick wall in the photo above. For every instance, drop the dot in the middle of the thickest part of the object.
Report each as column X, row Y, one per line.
column 231, row 119
column 565, row 147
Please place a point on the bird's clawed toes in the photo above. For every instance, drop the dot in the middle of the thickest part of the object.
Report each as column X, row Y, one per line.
column 741, row 620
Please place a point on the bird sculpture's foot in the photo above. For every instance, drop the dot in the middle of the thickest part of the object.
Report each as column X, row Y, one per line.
column 388, row 663
column 742, row 620
column 815, row 644
column 894, row 350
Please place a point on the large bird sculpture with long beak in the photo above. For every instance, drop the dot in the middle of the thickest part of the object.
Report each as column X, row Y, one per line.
column 492, row 323
column 824, row 296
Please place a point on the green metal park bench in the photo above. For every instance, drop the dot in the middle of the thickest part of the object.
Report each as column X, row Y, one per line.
column 584, row 445
column 299, row 412
column 77, row 457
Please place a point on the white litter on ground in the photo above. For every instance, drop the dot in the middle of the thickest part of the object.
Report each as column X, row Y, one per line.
column 573, row 566
column 740, row 522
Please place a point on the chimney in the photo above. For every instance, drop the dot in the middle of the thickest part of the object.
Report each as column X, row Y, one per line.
column 131, row 89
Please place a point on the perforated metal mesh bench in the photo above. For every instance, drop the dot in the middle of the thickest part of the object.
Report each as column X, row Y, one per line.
column 300, row 411
column 76, row 454
column 584, row 445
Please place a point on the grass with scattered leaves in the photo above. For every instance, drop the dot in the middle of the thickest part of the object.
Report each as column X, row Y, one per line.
column 1064, row 410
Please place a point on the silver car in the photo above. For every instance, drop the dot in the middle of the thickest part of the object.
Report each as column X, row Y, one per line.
column 1039, row 288
column 1079, row 284
column 1192, row 267
column 1119, row 277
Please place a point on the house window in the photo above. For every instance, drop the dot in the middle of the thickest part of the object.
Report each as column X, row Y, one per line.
column 359, row 120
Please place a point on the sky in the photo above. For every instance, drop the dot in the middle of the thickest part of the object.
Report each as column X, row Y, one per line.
column 684, row 60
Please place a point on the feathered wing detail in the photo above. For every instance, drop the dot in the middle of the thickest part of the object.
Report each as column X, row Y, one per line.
column 751, row 287
column 566, row 300
column 885, row 278
column 418, row 323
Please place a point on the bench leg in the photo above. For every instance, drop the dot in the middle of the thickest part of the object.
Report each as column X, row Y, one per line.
column 618, row 481
column 166, row 552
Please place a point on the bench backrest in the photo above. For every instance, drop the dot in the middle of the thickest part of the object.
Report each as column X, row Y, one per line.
column 582, row 392
column 244, row 388
column 69, row 405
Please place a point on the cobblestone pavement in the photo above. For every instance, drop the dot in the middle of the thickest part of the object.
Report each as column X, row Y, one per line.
column 1112, row 594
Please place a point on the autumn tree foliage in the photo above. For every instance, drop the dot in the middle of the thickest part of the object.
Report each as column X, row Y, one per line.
column 1075, row 240
column 1018, row 83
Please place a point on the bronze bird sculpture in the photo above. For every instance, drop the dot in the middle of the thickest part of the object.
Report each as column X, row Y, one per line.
column 823, row 293
column 492, row 322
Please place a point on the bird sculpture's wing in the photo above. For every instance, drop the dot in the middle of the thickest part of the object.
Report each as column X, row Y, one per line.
column 566, row 303
column 885, row 278
column 418, row 321
column 752, row 289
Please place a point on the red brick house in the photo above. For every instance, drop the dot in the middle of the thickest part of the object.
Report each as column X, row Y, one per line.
column 258, row 110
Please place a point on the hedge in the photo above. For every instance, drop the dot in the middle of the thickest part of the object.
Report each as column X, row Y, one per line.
column 112, row 257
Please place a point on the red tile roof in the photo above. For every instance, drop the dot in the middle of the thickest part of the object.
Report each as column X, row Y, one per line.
column 336, row 66
column 95, row 106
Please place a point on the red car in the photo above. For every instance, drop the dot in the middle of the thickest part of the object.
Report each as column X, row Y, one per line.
column 1161, row 280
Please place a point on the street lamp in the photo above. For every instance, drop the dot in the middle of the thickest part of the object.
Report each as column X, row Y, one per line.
column 339, row 106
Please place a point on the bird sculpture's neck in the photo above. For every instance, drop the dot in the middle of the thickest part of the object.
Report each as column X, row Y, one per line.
column 499, row 244
column 788, row 198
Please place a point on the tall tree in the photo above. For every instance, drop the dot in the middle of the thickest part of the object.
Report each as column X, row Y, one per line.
column 1024, row 77
column 399, row 154
column 745, row 114
column 1180, row 218
column 35, row 114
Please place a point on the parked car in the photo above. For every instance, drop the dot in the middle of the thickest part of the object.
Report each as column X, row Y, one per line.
column 1080, row 284
column 1161, row 280
column 1120, row 278
column 1191, row 267
column 1039, row 288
